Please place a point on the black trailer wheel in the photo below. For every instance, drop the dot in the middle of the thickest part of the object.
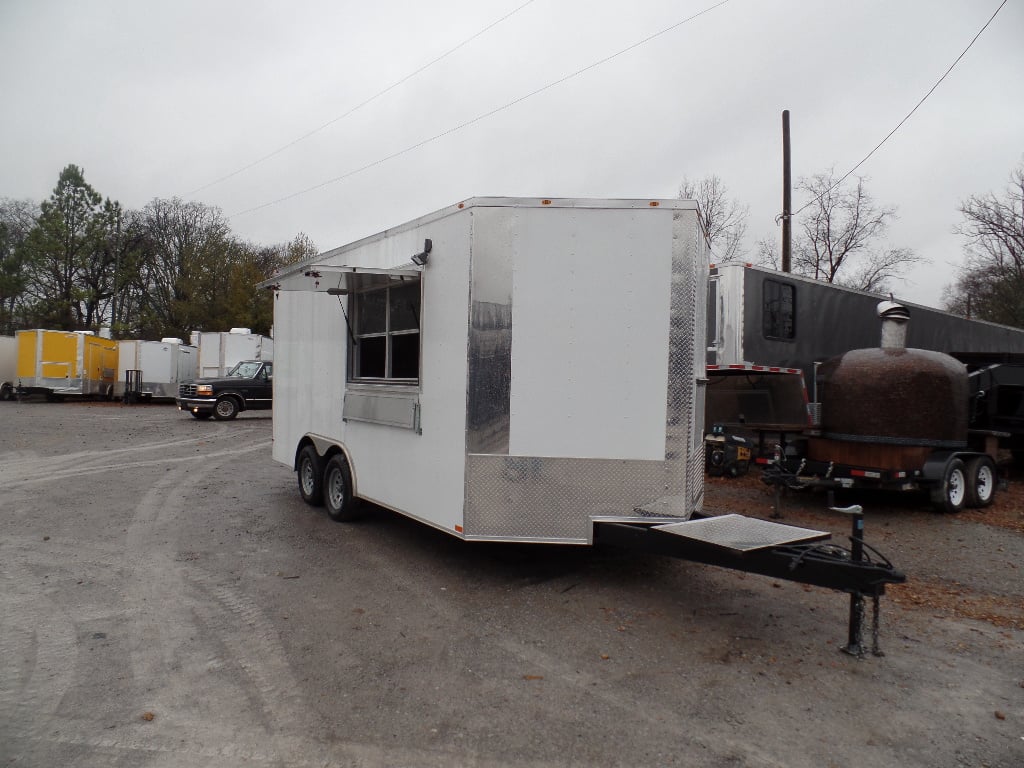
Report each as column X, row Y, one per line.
column 310, row 469
column 225, row 409
column 6, row 392
column 951, row 494
column 201, row 415
column 337, row 490
column 981, row 482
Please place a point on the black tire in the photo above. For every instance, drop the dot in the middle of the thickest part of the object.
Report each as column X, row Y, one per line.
column 951, row 494
column 310, row 471
column 201, row 415
column 225, row 409
column 337, row 490
column 981, row 482
column 6, row 392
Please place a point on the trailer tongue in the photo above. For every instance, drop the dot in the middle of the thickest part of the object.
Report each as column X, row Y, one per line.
column 776, row 550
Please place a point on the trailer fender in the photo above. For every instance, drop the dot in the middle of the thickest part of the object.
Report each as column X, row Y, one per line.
column 934, row 469
column 953, row 486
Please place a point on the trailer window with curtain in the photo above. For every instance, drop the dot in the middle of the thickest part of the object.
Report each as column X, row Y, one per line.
column 386, row 333
column 779, row 310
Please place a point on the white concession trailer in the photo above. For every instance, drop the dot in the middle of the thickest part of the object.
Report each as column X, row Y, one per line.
column 528, row 370
column 539, row 368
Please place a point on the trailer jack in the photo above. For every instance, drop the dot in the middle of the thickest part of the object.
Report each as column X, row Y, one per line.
column 772, row 549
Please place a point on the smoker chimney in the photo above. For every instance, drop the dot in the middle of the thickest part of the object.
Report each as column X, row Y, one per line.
column 894, row 324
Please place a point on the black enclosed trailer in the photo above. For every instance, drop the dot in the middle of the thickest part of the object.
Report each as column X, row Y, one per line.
column 765, row 317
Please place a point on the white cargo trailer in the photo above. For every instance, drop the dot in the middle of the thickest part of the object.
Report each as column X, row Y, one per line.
column 220, row 351
column 536, row 366
column 8, row 366
column 152, row 370
column 530, row 370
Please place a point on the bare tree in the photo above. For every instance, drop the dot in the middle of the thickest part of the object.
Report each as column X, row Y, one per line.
column 17, row 219
column 838, row 235
column 186, row 266
column 724, row 218
column 837, row 239
column 990, row 285
column 768, row 254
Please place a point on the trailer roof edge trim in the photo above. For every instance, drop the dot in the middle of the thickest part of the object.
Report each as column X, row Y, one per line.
column 649, row 203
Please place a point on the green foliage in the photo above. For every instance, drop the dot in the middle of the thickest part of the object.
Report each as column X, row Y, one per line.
column 80, row 262
column 59, row 250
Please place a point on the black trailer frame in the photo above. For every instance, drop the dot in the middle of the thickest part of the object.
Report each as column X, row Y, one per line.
column 778, row 551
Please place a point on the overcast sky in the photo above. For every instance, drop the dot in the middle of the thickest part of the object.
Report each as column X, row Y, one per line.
column 159, row 99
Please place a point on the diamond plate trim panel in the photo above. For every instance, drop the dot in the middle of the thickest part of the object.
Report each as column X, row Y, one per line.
column 742, row 534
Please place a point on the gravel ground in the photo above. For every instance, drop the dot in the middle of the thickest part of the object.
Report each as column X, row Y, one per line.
column 167, row 600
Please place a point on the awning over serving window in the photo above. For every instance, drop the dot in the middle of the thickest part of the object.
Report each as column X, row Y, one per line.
column 339, row 280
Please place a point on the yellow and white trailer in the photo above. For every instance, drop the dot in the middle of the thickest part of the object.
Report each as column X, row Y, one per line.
column 65, row 363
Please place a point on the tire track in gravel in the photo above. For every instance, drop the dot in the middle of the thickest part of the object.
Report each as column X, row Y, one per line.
column 37, row 653
column 186, row 627
column 162, row 750
column 21, row 469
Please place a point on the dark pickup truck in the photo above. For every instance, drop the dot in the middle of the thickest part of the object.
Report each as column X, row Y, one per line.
column 247, row 386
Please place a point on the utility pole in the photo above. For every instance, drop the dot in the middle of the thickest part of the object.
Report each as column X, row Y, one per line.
column 787, row 197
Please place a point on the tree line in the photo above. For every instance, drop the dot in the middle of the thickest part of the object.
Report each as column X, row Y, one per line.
column 78, row 261
column 82, row 262
column 839, row 236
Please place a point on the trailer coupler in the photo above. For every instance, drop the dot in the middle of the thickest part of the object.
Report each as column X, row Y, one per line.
column 778, row 551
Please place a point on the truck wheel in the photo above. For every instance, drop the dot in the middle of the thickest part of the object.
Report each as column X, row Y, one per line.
column 225, row 409
column 981, row 482
column 6, row 392
column 951, row 494
column 337, row 490
column 311, row 476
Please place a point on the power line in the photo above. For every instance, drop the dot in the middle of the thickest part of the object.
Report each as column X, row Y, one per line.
column 484, row 116
column 911, row 112
column 362, row 104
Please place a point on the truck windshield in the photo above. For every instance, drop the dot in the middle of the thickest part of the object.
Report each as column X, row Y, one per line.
column 245, row 370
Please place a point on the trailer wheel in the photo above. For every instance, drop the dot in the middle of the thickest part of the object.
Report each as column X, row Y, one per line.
column 311, row 476
column 981, row 482
column 226, row 408
column 337, row 490
column 951, row 493
column 6, row 392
